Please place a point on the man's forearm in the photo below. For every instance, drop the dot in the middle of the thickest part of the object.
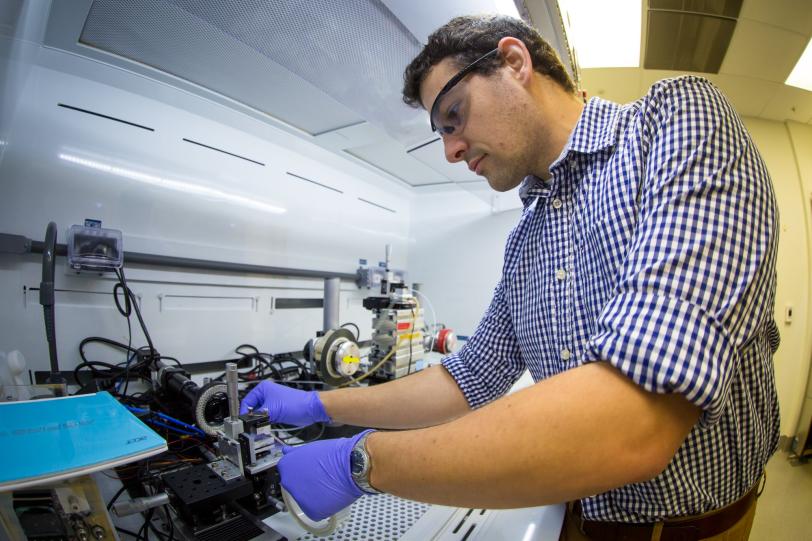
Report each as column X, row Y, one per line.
column 427, row 398
column 582, row 432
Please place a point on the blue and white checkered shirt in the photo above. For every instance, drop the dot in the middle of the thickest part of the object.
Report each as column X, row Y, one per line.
column 651, row 247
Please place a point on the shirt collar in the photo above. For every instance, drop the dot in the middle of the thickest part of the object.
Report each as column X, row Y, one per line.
column 595, row 130
column 533, row 187
column 597, row 127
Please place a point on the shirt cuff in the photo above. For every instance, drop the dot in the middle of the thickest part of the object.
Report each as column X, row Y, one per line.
column 667, row 345
column 476, row 390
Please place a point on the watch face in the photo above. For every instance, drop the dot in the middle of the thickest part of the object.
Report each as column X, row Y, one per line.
column 357, row 462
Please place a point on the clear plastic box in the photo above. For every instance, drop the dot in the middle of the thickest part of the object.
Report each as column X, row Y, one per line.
column 95, row 248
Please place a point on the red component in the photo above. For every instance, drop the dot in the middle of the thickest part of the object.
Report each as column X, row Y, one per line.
column 406, row 325
column 440, row 343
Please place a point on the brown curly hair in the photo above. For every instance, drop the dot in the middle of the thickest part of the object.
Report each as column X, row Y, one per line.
column 464, row 39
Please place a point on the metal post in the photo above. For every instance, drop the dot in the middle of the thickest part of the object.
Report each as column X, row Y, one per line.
column 232, row 391
column 232, row 425
column 332, row 288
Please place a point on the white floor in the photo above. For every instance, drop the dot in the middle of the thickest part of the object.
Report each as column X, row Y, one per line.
column 784, row 510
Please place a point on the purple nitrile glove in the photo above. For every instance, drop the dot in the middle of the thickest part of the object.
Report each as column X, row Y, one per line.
column 285, row 404
column 318, row 476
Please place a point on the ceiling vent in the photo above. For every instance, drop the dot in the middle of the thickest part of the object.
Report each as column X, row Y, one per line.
column 317, row 65
column 689, row 35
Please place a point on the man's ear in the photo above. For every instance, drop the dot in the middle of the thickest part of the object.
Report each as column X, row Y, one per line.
column 517, row 58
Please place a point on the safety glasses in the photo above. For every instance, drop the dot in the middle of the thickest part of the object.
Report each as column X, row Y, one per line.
column 450, row 108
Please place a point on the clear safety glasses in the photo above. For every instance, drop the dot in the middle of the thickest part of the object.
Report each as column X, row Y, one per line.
column 450, row 108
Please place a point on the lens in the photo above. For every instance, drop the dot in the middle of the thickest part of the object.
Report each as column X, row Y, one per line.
column 449, row 113
column 449, row 110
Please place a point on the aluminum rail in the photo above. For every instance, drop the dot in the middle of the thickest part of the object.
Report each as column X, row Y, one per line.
column 18, row 244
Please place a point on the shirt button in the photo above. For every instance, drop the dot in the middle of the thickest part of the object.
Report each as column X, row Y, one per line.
column 560, row 274
column 557, row 204
column 565, row 354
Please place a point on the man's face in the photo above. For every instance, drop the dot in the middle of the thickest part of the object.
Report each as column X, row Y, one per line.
column 494, row 139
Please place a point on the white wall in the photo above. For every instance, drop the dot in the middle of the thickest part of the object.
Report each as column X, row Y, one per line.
column 456, row 253
column 801, row 136
column 792, row 358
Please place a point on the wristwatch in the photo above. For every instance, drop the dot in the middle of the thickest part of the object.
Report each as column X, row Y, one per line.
column 360, row 464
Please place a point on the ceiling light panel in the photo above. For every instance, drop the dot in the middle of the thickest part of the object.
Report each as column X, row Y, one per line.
column 603, row 34
column 801, row 75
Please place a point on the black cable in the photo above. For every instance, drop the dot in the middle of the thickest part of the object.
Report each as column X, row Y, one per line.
column 90, row 364
column 260, row 361
column 293, row 431
column 128, row 532
column 157, row 532
column 46, row 299
column 127, row 310
column 112, row 371
column 144, row 357
column 242, row 346
column 357, row 330
column 147, row 521
column 171, row 525
column 102, row 340
column 290, row 358
column 128, row 291
column 128, row 357
column 115, row 497
column 174, row 360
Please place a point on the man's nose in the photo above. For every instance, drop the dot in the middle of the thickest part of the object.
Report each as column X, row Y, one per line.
column 455, row 148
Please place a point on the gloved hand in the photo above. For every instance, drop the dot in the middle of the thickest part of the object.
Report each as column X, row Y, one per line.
column 286, row 404
column 318, row 476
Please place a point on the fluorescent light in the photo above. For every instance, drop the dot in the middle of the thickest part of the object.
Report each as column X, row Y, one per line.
column 801, row 75
column 176, row 185
column 507, row 7
column 604, row 34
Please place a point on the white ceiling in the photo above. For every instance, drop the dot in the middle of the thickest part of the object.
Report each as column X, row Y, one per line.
column 769, row 38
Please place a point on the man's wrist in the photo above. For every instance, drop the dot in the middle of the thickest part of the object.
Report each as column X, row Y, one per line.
column 369, row 447
column 361, row 464
column 318, row 410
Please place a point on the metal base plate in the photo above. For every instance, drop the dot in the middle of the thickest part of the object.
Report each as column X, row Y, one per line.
column 200, row 484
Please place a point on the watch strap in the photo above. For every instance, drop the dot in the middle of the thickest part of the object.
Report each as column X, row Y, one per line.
column 362, row 479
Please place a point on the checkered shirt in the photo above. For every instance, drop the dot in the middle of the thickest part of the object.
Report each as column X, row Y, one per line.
column 652, row 247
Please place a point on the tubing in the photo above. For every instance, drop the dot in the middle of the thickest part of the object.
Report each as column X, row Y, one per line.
column 46, row 299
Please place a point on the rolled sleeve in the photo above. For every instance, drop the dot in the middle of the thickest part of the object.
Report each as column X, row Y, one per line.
column 702, row 259
column 667, row 345
column 490, row 362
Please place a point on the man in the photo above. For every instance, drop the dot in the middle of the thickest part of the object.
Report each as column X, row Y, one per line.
column 637, row 288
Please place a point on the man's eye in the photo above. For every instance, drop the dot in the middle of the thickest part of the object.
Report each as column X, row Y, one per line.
column 452, row 115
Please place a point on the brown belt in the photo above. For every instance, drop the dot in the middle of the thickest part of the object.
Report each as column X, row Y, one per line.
column 680, row 529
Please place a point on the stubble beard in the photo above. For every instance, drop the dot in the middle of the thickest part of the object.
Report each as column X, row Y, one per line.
column 505, row 176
